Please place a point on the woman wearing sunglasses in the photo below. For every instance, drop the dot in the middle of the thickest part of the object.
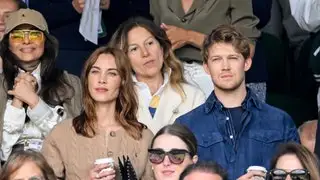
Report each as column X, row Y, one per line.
column 35, row 96
column 294, row 162
column 173, row 148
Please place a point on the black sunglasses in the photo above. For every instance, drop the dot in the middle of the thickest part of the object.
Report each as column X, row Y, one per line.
column 296, row 174
column 176, row 156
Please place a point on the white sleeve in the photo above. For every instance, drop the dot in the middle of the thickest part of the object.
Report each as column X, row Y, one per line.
column 44, row 117
column 306, row 13
column 13, row 124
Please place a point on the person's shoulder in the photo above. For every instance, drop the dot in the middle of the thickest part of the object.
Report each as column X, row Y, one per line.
column 193, row 115
column 147, row 133
column 71, row 77
column 273, row 110
column 273, row 115
column 62, row 129
column 190, row 88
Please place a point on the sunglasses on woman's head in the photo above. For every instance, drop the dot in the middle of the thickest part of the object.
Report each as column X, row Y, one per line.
column 33, row 35
column 176, row 156
column 296, row 174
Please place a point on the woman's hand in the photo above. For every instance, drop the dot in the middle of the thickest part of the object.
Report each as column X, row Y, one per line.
column 100, row 172
column 24, row 89
column 177, row 36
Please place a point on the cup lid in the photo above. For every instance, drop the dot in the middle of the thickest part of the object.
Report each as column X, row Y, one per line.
column 257, row 168
column 103, row 161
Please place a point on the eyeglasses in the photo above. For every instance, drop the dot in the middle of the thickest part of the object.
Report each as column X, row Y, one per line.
column 297, row 174
column 33, row 35
column 176, row 156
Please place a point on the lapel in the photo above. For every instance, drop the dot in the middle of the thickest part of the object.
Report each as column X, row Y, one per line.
column 175, row 7
column 197, row 6
column 3, row 102
column 168, row 106
column 144, row 115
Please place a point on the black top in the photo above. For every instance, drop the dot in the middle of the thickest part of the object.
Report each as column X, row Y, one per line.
column 236, row 114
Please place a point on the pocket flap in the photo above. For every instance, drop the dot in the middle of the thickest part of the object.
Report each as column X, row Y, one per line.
column 266, row 136
column 209, row 139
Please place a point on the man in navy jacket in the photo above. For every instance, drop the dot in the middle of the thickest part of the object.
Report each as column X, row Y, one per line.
column 233, row 127
column 63, row 17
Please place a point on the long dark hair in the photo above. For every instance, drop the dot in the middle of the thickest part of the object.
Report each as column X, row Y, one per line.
column 54, row 87
column 126, row 103
column 19, row 158
column 183, row 133
column 307, row 159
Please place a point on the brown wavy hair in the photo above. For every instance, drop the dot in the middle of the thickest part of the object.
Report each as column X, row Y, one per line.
column 126, row 102
column 308, row 160
column 120, row 40
column 226, row 34
column 19, row 158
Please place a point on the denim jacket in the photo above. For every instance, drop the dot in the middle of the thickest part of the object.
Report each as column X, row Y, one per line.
column 263, row 128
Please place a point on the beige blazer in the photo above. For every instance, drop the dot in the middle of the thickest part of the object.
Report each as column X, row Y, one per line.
column 171, row 106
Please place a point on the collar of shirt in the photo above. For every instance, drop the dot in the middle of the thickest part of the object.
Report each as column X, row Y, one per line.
column 249, row 101
column 36, row 74
column 144, row 90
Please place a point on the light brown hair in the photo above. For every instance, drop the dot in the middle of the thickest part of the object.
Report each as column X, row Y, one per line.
column 307, row 159
column 229, row 35
column 126, row 102
column 120, row 40
column 19, row 158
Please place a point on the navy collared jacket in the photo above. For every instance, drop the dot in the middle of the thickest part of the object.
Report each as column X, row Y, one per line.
column 263, row 128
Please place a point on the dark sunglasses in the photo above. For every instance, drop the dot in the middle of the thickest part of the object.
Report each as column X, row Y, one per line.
column 176, row 156
column 296, row 174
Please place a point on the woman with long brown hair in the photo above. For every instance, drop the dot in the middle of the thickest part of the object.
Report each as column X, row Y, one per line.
column 294, row 161
column 162, row 91
column 108, row 127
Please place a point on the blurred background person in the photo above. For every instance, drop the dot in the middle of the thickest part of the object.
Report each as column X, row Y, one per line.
column 27, row 165
column 307, row 132
column 107, row 128
column 35, row 95
column 294, row 161
column 204, row 171
column 163, row 93
column 8, row 6
column 64, row 16
column 172, row 149
column 187, row 22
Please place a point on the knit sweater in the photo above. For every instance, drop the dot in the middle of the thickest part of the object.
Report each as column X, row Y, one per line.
column 72, row 155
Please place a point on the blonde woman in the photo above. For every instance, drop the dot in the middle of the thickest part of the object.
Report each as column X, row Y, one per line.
column 163, row 93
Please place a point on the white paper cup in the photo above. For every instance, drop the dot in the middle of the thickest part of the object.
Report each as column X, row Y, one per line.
column 259, row 169
column 108, row 161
